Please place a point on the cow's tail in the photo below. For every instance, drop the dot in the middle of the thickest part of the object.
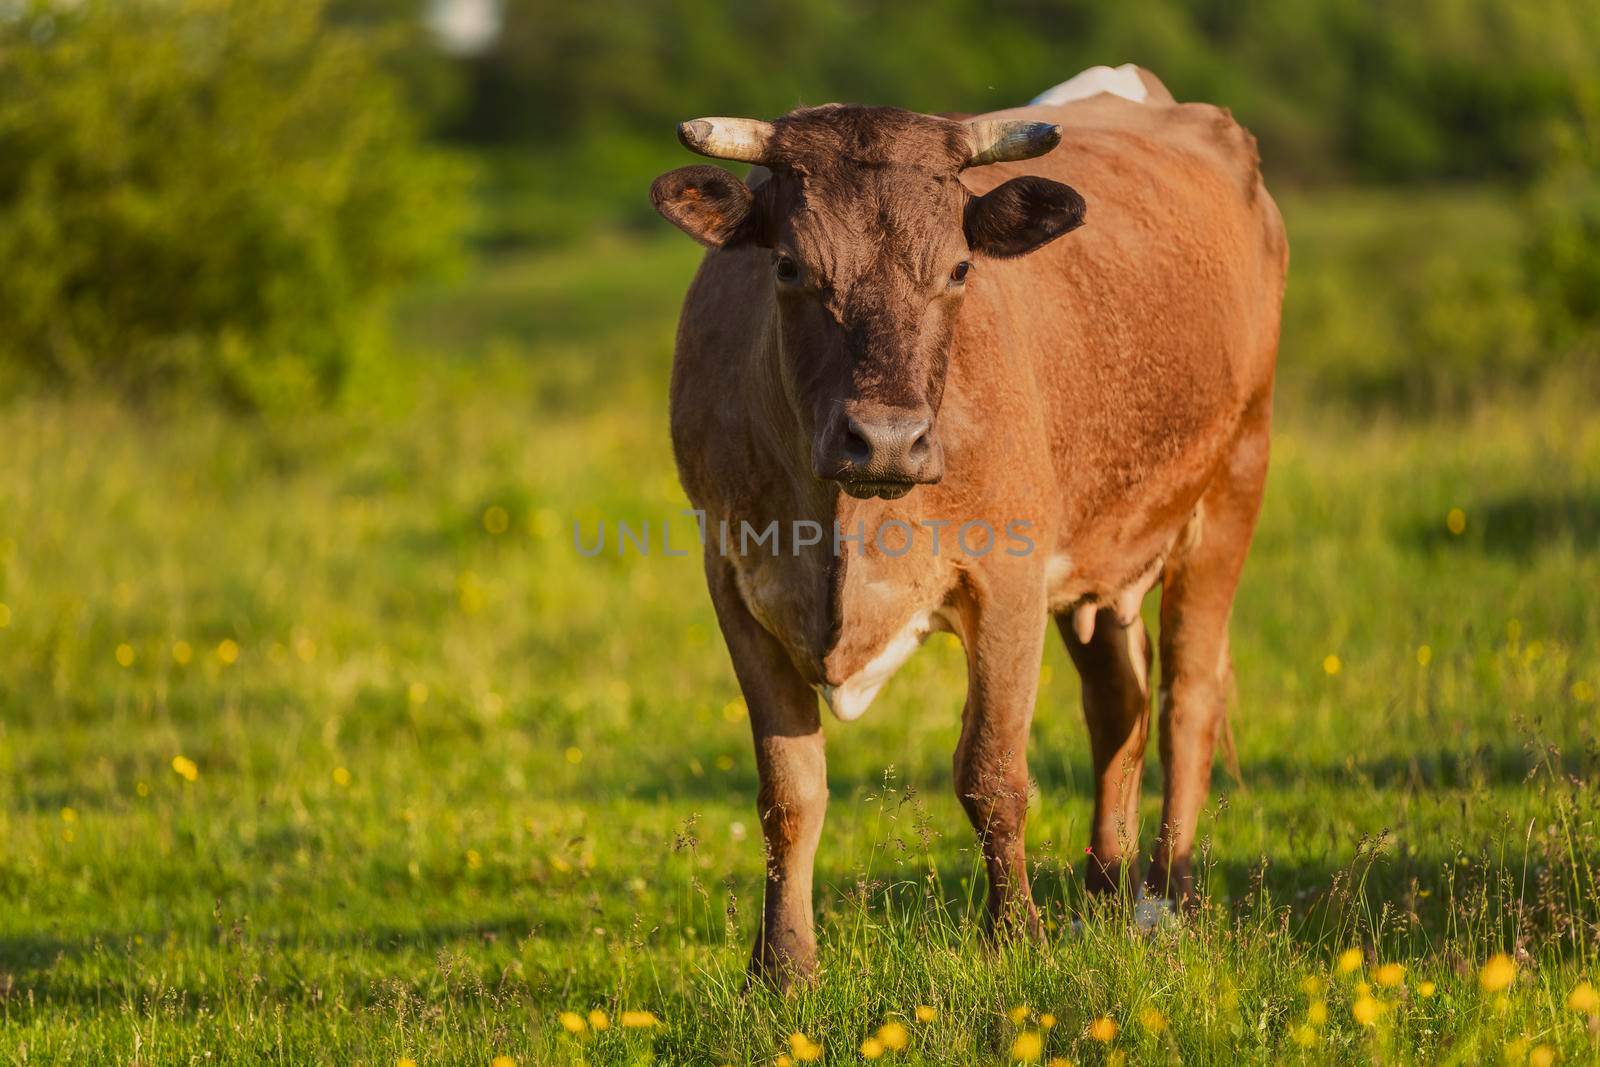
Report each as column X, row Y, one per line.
column 1230, row 752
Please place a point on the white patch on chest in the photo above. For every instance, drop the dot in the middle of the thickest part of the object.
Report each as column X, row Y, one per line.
column 850, row 698
column 1123, row 81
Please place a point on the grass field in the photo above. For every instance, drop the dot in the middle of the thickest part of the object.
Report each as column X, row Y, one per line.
column 319, row 743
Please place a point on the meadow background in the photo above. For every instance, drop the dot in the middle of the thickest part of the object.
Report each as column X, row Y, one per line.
column 320, row 744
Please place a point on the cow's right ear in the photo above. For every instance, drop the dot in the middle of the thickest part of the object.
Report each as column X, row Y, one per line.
column 707, row 203
column 1024, row 213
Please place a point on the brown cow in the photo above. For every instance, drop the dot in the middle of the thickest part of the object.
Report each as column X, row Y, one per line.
column 1078, row 423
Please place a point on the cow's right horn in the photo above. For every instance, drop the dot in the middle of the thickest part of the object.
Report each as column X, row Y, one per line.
column 1004, row 140
column 744, row 140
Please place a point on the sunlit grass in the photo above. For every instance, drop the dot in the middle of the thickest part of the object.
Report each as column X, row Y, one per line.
column 319, row 743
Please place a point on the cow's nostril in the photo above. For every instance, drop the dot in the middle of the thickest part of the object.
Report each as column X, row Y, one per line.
column 857, row 448
column 921, row 443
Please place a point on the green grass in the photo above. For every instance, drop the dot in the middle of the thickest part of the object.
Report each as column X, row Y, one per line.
column 456, row 782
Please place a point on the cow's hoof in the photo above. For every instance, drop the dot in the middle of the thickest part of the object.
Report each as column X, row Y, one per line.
column 1154, row 913
column 1147, row 912
column 1015, row 920
column 783, row 974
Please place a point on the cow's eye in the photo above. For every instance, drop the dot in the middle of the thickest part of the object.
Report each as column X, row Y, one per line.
column 958, row 273
column 786, row 269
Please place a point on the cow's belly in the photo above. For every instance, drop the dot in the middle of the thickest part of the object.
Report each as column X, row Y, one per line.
column 1112, row 563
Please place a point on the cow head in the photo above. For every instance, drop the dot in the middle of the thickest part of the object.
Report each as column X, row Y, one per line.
column 872, row 240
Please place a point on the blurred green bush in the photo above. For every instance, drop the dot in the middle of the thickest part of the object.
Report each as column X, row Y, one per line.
column 210, row 194
column 1563, row 253
column 1423, row 298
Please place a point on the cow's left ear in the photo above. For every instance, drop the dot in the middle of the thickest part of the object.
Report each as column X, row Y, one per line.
column 1021, row 215
column 707, row 203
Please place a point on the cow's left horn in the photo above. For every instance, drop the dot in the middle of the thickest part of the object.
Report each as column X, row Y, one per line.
column 742, row 139
column 1001, row 140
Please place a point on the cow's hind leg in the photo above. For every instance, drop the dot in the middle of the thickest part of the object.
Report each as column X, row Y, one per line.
column 1114, row 666
column 1197, row 591
column 1004, row 625
column 793, row 796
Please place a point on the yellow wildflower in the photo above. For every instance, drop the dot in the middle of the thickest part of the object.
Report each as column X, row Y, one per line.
column 599, row 1020
column 1427, row 989
column 1349, row 960
column 1028, row 1047
column 573, row 1023
column 228, row 650
column 871, row 1048
column 1389, row 975
column 926, row 1014
column 893, row 1035
column 1059, row 1061
column 405, row 1061
column 1332, row 664
column 1047, row 1020
column 1103, row 1029
column 1365, row 1010
column 1304, row 1036
column 502, row 1061
column 185, row 768
column 639, row 1020
column 182, row 652
column 1017, row 1014
column 1542, row 1056
column 1584, row 999
column 1456, row 521
column 804, row 1049
column 1312, row 986
column 1152, row 1019
column 1498, row 973
column 341, row 776
column 783, row 1060
column 1317, row 1013
column 124, row 655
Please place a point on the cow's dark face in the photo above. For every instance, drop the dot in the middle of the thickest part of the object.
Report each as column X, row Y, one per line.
column 872, row 242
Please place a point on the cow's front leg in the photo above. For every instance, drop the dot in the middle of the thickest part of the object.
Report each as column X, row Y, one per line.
column 1005, row 640
column 794, row 783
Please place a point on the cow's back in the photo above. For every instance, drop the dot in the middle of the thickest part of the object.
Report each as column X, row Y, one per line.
column 1147, row 331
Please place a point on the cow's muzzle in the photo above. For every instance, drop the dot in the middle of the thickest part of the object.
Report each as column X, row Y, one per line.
column 876, row 450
